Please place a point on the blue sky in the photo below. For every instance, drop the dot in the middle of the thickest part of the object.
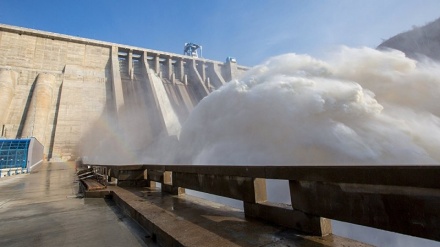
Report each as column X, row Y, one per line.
column 250, row 30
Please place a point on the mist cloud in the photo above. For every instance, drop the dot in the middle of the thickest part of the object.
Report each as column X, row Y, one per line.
column 362, row 106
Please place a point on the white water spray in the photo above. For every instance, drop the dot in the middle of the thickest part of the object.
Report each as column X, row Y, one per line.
column 363, row 106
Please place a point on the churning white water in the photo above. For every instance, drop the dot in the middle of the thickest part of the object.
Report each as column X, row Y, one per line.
column 361, row 106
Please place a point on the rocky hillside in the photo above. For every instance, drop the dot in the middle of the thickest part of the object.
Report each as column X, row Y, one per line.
column 419, row 42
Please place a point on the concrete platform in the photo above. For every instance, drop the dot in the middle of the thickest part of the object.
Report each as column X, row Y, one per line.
column 42, row 209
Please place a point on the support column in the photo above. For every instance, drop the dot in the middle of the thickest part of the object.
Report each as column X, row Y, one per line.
column 117, row 82
column 231, row 70
column 167, row 185
column 145, row 60
column 157, row 64
column 170, row 67
column 208, row 85
column 180, row 70
column 260, row 191
column 8, row 79
column 130, row 64
column 283, row 214
column 308, row 222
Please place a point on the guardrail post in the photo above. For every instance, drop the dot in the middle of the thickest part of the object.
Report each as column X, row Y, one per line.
column 283, row 214
column 306, row 222
column 167, row 184
column 252, row 208
column 373, row 196
column 260, row 190
column 148, row 182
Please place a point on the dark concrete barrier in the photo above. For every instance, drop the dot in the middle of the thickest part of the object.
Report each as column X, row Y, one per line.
column 403, row 199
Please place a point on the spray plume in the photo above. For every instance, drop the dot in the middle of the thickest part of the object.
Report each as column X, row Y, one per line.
column 362, row 106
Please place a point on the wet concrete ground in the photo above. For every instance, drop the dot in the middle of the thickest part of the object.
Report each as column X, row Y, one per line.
column 42, row 209
column 191, row 221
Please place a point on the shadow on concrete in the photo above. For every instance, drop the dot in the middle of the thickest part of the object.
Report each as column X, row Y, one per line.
column 141, row 234
column 205, row 218
column 26, row 109
column 54, row 124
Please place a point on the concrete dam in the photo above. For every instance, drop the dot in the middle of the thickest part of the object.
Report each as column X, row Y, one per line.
column 56, row 87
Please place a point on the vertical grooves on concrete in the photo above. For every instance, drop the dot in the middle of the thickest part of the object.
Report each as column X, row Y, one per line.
column 199, row 85
column 8, row 79
column 179, row 95
column 55, row 121
column 152, row 97
column 135, row 114
column 168, row 116
column 40, row 106
column 186, row 91
column 25, row 110
column 216, row 77
column 149, row 98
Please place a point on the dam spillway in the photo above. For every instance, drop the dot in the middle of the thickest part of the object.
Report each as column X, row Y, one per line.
column 55, row 87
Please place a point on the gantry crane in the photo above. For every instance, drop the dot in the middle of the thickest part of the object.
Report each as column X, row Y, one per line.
column 190, row 49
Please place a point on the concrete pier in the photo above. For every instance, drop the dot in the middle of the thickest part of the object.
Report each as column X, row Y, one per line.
column 39, row 107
